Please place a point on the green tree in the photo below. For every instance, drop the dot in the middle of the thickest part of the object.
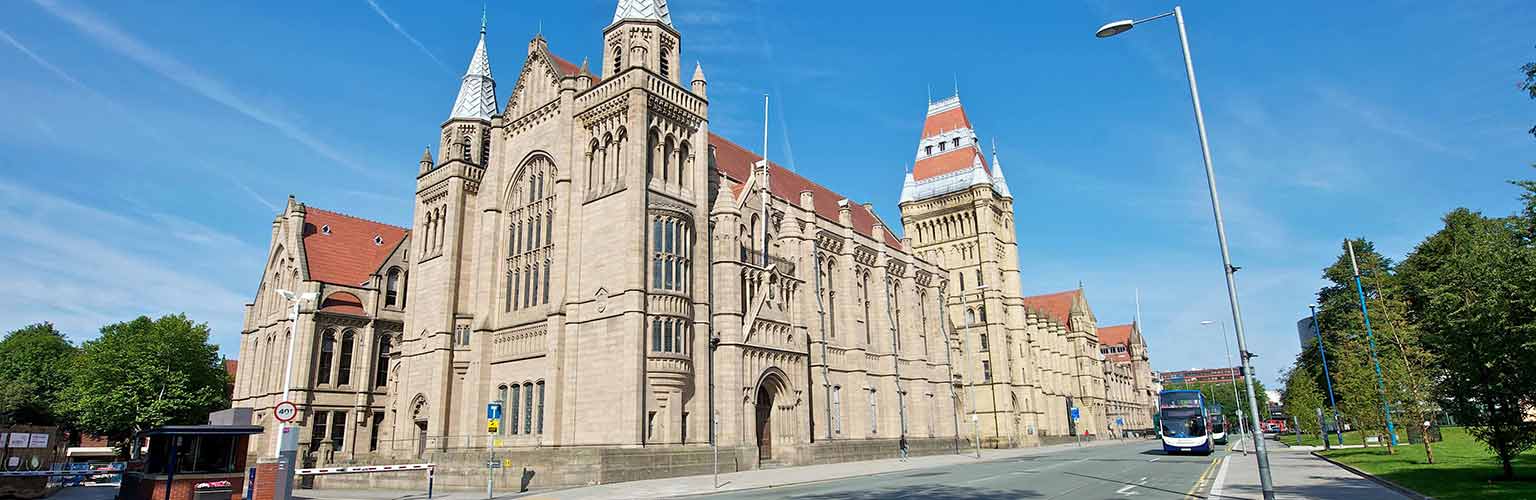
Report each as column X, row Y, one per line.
column 1529, row 85
column 145, row 373
column 1301, row 397
column 34, row 367
column 1473, row 287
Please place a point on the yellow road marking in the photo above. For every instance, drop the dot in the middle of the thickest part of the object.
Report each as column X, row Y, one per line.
column 1201, row 480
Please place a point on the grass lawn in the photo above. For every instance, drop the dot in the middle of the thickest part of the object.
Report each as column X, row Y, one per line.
column 1352, row 437
column 1463, row 468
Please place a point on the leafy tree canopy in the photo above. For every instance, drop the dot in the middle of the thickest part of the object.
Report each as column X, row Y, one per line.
column 34, row 367
column 145, row 373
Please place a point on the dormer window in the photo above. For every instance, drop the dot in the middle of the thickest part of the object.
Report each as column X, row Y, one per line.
column 325, row 229
column 957, row 142
column 930, row 150
column 378, row 240
column 941, row 146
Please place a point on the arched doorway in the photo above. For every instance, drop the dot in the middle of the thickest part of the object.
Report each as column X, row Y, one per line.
column 770, row 390
column 765, row 422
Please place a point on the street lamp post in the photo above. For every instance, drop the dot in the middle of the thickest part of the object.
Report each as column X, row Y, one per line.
column 1240, row 427
column 1337, row 428
column 1386, row 406
column 1115, row 28
column 287, row 436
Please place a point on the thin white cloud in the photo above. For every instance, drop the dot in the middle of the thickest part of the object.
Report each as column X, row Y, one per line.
column 401, row 30
column 82, row 267
column 139, row 124
column 57, row 71
column 1379, row 118
column 116, row 40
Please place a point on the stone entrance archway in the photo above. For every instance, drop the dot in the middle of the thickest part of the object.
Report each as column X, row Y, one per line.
column 771, row 419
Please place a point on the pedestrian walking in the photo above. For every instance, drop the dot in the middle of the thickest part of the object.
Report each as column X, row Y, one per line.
column 904, row 457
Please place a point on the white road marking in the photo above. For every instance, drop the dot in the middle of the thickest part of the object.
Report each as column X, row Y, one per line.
column 1154, row 459
column 1126, row 490
column 1221, row 478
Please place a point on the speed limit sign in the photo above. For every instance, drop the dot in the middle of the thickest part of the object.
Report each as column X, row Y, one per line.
column 285, row 411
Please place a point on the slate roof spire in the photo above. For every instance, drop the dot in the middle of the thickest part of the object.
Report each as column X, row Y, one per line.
column 477, row 92
column 654, row 10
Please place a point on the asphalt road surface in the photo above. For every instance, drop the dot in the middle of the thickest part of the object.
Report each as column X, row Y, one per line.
column 1138, row 470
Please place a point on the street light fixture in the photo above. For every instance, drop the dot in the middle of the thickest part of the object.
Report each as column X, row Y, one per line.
column 1228, row 269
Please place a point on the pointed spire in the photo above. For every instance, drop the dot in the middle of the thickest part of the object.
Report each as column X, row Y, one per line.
column 698, row 72
column 999, row 183
column 483, row 18
column 477, row 92
column 651, row 10
column 426, row 156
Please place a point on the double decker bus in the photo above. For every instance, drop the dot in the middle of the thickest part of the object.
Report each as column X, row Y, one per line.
column 1183, row 422
column 1218, row 423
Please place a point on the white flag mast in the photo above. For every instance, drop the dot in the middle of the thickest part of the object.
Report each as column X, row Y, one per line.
column 764, row 177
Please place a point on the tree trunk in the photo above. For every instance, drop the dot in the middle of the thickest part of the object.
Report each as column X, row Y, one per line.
column 1429, row 451
column 1509, row 468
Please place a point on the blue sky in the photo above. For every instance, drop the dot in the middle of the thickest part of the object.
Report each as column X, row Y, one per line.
column 148, row 146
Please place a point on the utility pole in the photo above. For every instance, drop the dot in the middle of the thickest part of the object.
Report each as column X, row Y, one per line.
column 1381, row 385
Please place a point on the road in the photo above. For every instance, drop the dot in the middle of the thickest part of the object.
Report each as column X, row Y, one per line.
column 1138, row 470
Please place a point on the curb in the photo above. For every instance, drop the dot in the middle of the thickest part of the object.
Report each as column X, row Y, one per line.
column 1381, row 481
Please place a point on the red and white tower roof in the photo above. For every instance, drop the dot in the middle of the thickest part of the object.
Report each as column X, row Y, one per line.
column 949, row 155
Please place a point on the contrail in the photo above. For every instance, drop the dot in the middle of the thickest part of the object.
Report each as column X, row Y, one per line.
column 401, row 30
column 169, row 67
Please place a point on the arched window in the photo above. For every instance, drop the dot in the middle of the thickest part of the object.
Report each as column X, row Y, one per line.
column 610, row 159
column 864, row 297
column 667, row 158
column 981, row 310
column 392, row 295
column 541, row 407
column 618, row 59
column 665, row 66
column 528, row 408
column 501, row 396
column 532, row 227
column 683, row 161
column 651, row 140
column 465, row 149
column 513, row 407
column 970, row 317
column 593, row 175
column 327, row 349
column 381, row 363
column 344, row 368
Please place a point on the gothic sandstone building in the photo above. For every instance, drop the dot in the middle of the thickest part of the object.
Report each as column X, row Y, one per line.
column 590, row 255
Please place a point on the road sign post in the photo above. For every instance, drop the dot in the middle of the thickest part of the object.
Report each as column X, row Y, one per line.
column 492, row 425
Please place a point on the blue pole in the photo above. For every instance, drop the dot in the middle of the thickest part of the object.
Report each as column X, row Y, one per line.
column 1338, row 428
column 1381, row 384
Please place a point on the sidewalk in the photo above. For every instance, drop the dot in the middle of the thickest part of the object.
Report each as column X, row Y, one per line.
column 1297, row 474
column 735, row 481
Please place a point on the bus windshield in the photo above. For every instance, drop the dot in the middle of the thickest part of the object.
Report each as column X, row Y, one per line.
column 1183, row 423
column 1218, row 424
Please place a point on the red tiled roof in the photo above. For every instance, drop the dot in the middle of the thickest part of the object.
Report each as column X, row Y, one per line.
column 946, row 120
column 735, row 162
column 1057, row 306
column 231, row 367
column 565, row 66
column 348, row 255
column 1115, row 335
column 946, row 162
column 344, row 303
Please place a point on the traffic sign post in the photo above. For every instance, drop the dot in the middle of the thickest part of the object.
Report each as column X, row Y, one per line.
column 1076, row 416
column 285, row 411
column 492, row 425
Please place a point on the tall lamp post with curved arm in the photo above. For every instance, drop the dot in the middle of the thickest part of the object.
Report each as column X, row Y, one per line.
column 1121, row 26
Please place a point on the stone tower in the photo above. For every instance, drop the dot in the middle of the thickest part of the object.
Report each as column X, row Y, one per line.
column 958, row 212
column 444, row 220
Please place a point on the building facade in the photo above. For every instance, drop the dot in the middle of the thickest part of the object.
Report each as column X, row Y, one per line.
column 1202, row 375
column 589, row 255
column 1128, row 372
